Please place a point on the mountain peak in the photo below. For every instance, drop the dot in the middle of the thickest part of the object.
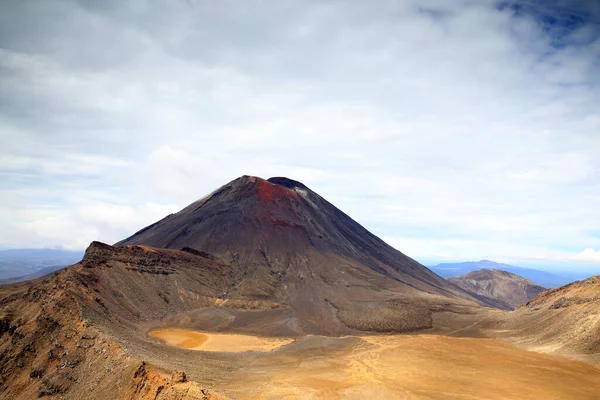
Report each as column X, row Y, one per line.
column 288, row 244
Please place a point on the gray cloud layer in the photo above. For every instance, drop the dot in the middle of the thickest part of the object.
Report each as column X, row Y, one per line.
column 463, row 129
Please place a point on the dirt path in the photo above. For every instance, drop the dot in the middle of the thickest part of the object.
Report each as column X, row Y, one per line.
column 473, row 325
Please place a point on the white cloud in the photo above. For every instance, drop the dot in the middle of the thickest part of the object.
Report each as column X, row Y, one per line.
column 589, row 255
column 461, row 132
column 474, row 249
column 76, row 228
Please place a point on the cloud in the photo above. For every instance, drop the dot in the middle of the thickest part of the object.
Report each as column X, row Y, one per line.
column 77, row 227
column 474, row 249
column 589, row 255
column 462, row 128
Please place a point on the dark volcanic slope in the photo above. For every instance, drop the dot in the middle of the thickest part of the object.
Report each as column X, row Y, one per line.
column 508, row 289
column 288, row 245
column 254, row 219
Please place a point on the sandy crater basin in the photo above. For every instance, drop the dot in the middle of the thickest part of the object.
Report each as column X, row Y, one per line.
column 226, row 342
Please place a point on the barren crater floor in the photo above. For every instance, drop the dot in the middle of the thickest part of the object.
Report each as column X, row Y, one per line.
column 390, row 367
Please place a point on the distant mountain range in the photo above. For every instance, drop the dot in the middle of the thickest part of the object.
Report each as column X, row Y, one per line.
column 542, row 278
column 21, row 264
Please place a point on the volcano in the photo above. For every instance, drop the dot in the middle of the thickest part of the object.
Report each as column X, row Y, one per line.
column 270, row 261
column 289, row 248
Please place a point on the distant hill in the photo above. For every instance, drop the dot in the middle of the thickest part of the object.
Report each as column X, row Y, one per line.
column 19, row 263
column 510, row 289
column 542, row 278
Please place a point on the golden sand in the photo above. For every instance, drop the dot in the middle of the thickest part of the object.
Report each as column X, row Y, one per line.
column 218, row 341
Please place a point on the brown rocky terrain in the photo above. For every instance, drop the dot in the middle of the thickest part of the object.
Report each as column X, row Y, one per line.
column 82, row 332
column 49, row 345
column 564, row 321
column 503, row 289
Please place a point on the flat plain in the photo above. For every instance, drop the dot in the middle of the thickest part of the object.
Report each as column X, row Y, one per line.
column 390, row 367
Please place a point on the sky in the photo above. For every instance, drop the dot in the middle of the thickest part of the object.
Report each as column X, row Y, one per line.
column 455, row 130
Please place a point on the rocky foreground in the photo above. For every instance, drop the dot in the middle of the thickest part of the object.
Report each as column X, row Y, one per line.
column 563, row 321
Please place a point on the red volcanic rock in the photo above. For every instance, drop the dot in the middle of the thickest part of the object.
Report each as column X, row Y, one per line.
column 270, row 193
